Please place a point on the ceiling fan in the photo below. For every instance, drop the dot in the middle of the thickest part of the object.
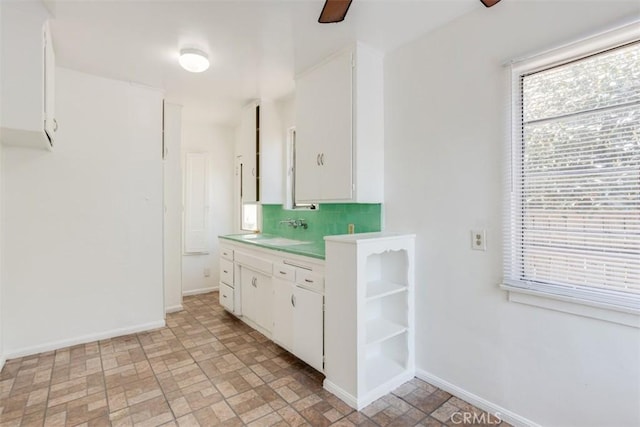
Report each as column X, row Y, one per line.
column 335, row 10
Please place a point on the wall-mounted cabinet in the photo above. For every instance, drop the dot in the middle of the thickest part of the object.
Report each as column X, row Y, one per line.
column 369, row 315
column 28, row 77
column 248, row 153
column 340, row 129
column 259, row 149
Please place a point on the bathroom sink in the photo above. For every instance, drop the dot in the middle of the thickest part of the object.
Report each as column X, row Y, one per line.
column 262, row 239
column 281, row 241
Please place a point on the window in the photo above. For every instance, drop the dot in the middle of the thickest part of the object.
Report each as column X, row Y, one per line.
column 573, row 228
column 250, row 217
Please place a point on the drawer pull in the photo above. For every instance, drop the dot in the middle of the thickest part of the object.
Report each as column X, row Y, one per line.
column 283, row 273
column 224, row 296
column 293, row 300
column 225, row 271
column 308, row 280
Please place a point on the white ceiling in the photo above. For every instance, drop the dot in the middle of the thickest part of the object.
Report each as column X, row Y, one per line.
column 256, row 46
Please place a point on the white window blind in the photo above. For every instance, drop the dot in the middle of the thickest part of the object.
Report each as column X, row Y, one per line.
column 573, row 225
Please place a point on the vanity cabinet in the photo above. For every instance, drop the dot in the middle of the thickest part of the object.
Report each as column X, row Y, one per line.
column 27, row 75
column 369, row 307
column 340, row 129
column 280, row 295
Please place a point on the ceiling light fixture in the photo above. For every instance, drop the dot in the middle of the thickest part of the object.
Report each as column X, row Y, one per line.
column 194, row 60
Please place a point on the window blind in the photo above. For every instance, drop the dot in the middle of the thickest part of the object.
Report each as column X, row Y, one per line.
column 573, row 225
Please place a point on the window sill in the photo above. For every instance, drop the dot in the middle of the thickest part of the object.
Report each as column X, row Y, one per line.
column 576, row 306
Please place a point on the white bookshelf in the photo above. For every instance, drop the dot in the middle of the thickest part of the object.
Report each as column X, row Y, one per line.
column 369, row 332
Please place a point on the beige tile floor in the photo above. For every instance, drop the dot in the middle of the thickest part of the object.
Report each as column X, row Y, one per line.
column 205, row 368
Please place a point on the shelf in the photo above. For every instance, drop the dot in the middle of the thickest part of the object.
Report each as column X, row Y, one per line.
column 381, row 329
column 380, row 370
column 383, row 288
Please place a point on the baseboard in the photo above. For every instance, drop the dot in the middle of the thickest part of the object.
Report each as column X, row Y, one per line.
column 55, row 345
column 199, row 291
column 173, row 309
column 340, row 393
column 504, row 414
column 358, row 403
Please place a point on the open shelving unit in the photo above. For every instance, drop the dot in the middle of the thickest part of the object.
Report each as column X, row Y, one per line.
column 369, row 334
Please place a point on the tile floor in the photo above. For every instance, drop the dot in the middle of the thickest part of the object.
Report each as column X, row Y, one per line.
column 205, row 368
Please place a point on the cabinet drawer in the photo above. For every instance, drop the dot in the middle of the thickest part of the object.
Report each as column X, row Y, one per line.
column 310, row 280
column 226, row 271
column 284, row 272
column 254, row 263
column 226, row 296
column 226, row 253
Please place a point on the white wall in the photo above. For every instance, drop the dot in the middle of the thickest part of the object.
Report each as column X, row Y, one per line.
column 172, row 231
column 447, row 113
column 82, row 244
column 2, row 356
column 198, row 136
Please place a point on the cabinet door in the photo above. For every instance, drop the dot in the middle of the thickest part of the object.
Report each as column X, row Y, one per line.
column 283, row 313
column 264, row 301
column 307, row 152
column 248, row 293
column 247, row 149
column 50, row 123
column 324, row 131
column 308, row 327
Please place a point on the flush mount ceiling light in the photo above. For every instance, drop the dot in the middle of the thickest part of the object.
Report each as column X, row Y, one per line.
column 194, row 60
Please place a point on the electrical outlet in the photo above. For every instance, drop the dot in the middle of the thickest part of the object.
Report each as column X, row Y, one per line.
column 479, row 240
column 207, row 272
column 351, row 228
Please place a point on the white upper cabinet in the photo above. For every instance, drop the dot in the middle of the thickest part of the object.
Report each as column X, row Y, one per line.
column 259, row 148
column 340, row 129
column 272, row 145
column 27, row 73
column 246, row 151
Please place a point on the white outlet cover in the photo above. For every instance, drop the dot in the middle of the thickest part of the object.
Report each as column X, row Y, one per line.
column 479, row 240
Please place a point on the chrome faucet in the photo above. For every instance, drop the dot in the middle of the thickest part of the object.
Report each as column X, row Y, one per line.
column 295, row 223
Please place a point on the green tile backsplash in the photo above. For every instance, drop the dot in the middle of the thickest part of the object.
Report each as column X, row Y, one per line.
column 328, row 219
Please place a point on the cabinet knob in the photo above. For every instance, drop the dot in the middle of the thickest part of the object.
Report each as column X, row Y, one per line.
column 321, row 159
column 293, row 300
column 318, row 159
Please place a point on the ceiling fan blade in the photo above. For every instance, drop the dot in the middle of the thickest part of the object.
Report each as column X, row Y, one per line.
column 334, row 11
column 489, row 3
